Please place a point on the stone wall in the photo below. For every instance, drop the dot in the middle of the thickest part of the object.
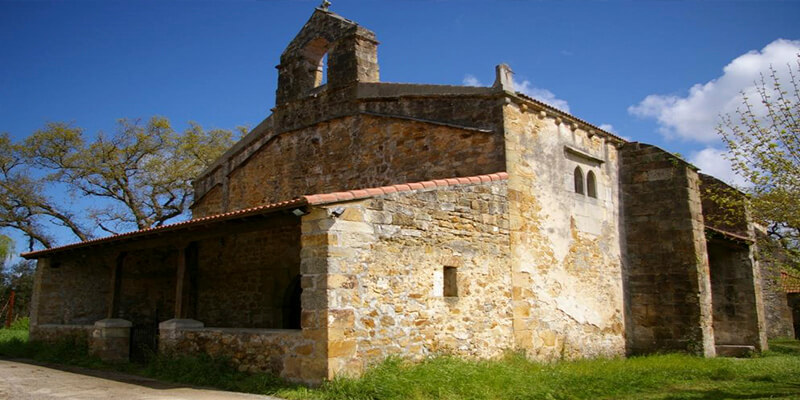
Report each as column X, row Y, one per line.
column 668, row 286
column 53, row 333
column 418, row 108
column 251, row 350
column 384, row 285
column 71, row 290
column 352, row 56
column 724, row 207
column 565, row 246
column 243, row 280
column 358, row 152
column 734, row 301
column 147, row 289
column 777, row 314
column 211, row 203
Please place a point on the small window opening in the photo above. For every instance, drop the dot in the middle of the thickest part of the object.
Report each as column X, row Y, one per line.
column 450, row 282
column 591, row 184
column 292, row 308
column 322, row 72
column 578, row 180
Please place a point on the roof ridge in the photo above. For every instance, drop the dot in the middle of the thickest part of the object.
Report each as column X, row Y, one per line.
column 313, row 199
column 357, row 194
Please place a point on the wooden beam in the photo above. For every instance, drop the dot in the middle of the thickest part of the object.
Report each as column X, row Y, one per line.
column 116, row 285
column 175, row 239
column 181, row 284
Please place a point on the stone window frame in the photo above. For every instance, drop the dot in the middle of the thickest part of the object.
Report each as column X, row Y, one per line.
column 449, row 281
column 585, row 172
column 577, row 177
column 591, row 184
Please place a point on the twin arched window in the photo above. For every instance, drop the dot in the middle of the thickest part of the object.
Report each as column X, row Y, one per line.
column 578, row 180
column 591, row 183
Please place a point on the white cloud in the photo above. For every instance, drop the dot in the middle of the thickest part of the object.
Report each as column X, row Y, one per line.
column 543, row 95
column 607, row 128
column 471, row 80
column 527, row 88
column 712, row 161
column 695, row 116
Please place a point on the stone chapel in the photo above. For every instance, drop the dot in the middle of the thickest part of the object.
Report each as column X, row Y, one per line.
column 363, row 219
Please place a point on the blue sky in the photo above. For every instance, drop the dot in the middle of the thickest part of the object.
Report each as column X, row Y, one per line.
column 213, row 62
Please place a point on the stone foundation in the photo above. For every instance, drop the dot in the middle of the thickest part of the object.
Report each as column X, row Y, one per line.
column 111, row 340
column 52, row 333
column 277, row 351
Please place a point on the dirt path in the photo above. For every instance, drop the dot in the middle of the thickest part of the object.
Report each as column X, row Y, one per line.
column 22, row 381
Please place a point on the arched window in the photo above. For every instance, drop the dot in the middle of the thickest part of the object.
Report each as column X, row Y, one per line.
column 322, row 72
column 591, row 184
column 578, row 180
column 316, row 54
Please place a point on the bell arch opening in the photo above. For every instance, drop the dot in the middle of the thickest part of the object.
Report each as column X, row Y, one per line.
column 316, row 55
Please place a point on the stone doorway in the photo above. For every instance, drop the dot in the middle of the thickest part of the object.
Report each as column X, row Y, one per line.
column 734, row 304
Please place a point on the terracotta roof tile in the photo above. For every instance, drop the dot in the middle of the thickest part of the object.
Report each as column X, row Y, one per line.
column 314, row 199
column 790, row 282
column 299, row 202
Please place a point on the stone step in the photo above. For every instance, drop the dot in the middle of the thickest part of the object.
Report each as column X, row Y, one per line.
column 734, row 350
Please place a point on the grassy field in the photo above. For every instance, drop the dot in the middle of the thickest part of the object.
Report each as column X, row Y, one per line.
column 772, row 375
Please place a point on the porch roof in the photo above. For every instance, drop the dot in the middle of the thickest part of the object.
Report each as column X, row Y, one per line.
column 790, row 281
column 299, row 202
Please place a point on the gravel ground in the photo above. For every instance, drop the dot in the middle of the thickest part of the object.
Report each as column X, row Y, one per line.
column 25, row 381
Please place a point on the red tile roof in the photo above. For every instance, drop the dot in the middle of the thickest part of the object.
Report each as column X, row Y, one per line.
column 314, row 199
column 790, row 282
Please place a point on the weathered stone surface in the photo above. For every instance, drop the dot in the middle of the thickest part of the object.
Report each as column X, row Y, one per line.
column 246, row 280
column 110, row 340
column 352, row 56
column 59, row 284
column 281, row 352
column 353, row 153
column 396, row 257
column 587, row 246
column 51, row 333
column 565, row 246
column 777, row 313
column 667, row 271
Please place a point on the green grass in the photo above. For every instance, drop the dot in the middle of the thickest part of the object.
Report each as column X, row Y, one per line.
column 672, row 376
column 774, row 374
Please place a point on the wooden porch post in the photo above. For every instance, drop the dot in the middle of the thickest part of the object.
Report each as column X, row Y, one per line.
column 184, row 280
column 181, row 284
column 116, row 283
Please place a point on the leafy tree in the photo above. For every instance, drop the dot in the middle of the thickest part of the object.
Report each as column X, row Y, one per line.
column 763, row 139
column 142, row 171
column 6, row 246
column 19, row 278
